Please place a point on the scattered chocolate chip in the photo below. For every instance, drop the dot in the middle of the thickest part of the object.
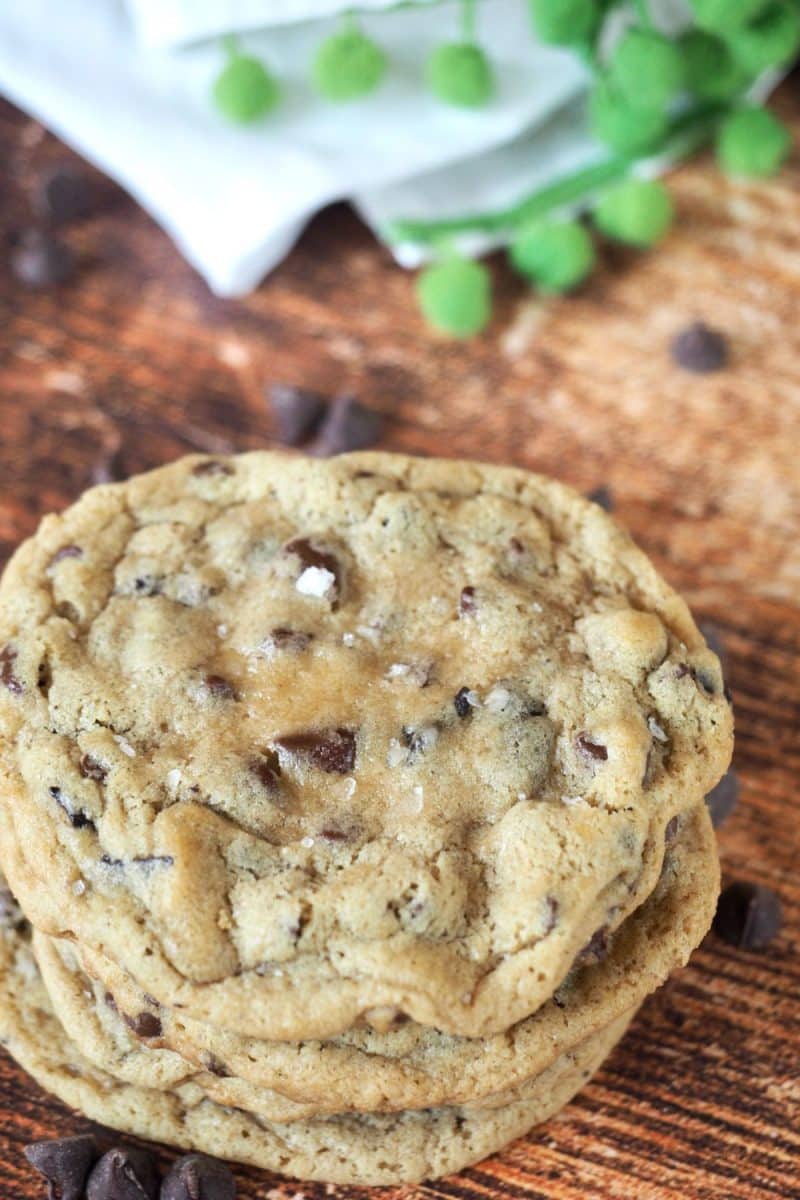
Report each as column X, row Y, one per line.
column 220, row 688
column 8, row 656
column 212, row 466
column 297, row 412
column 596, row 948
column 267, row 769
column 65, row 552
column 62, row 194
column 107, row 469
column 699, row 349
column 591, row 750
column 77, row 819
column 461, row 702
column 705, row 682
column 315, row 557
column 671, row 830
column 40, row 260
column 196, row 1177
column 603, row 496
column 292, row 640
column 748, row 915
column 65, row 1164
column 143, row 1025
column 467, row 606
column 124, row 1173
column 347, row 425
column 90, row 768
column 332, row 750
column 722, row 799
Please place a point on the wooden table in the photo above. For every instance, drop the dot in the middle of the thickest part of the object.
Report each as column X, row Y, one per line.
column 137, row 363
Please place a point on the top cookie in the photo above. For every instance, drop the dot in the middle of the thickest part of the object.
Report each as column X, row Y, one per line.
column 298, row 741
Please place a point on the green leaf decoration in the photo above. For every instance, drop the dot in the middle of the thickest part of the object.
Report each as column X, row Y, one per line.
column 455, row 296
column 555, row 255
column 348, row 65
column 647, row 69
column 244, row 91
column 459, row 73
column 772, row 40
column 565, row 22
column 625, row 129
column 712, row 73
column 638, row 212
column 752, row 143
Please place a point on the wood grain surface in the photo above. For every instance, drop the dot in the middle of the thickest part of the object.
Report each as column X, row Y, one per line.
column 133, row 363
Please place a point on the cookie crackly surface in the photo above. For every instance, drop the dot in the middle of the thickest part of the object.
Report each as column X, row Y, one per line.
column 298, row 743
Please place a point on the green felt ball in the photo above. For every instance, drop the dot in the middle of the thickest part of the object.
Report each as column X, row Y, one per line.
column 638, row 212
column 647, row 69
column 555, row 255
column 565, row 22
column 721, row 16
column 244, row 90
column 772, row 40
column 455, row 296
column 627, row 130
column 460, row 73
column 712, row 72
column 752, row 143
column 348, row 65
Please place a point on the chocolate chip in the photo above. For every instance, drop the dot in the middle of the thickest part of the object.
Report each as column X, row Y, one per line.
column 596, row 948
column 267, row 769
column 700, row 349
column 77, row 819
column 603, row 496
column 332, row 750
column 348, row 425
column 214, row 1067
column 297, row 412
column 702, row 678
column 107, row 469
column 461, row 702
column 748, row 915
column 65, row 552
column 714, row 641
column 62, row 194
column 467, row 606
column 8, row 656
column 590, row 749
column 671, row 830
column 292, row 640
column 65, row 1163
column 551, row 913
column 196, row 1177
column 124, row 1173
column 111, row 1002
column 40, row 260
column 314, row 556
column 143, row 1025
column 212, row 466
column 90, row 768
column 722, row 799
column 220, row 688
column 330, row 834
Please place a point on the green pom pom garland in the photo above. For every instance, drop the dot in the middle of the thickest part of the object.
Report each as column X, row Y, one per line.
column 555, row 255
column 459, row 73
column 638, row 212
column 711, row 71
column 244, row 91
column 752, row 143
column 721, row 16
column 565, row 22
column 772, row 40
column 647, row 69
column 455, row 296
column 626, row 130
column 348, row 65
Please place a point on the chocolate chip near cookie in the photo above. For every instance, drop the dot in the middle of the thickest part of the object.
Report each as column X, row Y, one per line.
column 62, row 194
column 296, row 411
column 124, row 1173
column 65, row 1164
column 196, row 1177
column 348, row 425
column 723, row 798
column 749, row 915
column 700, row 349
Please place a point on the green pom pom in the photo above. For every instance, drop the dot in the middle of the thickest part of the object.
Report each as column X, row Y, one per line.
column 772, row 40
column 555, row 255
column 638, row 212
column 647, row 69
column 564, row 22
column 348, row 65
column 721, row 16
column 244, row 90
column 711, row 71
column 627, row 130
column 455, row 296
column 752, row 143
column 460, row 73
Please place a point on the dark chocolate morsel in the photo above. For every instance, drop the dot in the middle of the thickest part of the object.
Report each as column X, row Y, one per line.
column 748, row 915
column 603, row 496
column 124, row 1173
column 467, row 605
column 312, row 555
column 591, row 749
column 91, row 769
column 461, row 702
column 347, row 425
column 65, row 1164
column 77, row 819
column 699, row 349
column 331, row 750
column 297, row 412
column 195, row 1177
column 293, row 640
column 40, row 260
column 267, row 769
column 220, row 688
column 62, row 194
column 596, row 948
column 143, row 1025
column 671, row 830
column 8, row 657
column 722, row 799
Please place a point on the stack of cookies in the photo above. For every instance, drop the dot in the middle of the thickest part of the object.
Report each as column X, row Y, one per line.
column 351, row 806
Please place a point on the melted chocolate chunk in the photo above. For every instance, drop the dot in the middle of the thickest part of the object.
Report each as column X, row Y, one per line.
column 292, row 640
column 297, row 412
column 594, row 751
column 312, row 555
column 596, row 948
column 461, row 702
column 671, row 830
column 703, row 680
column 40, row 261
column 124, row 1173
column 748, row 915
column 77, row 819
column 551, row 917
column 65, row 1164
column 603, row 496
column 215, row 1067
column 90, row 768
column 213, row 466
column 65, row 552
column 196, row 1177
column 8, row 656
column 467, row 605
column 220, row 688
column 331, row 750
column 267, row 769
column 347, row 426
column 722, row 799
column 699, row 349
column 143, row 1025
column 62, row 194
